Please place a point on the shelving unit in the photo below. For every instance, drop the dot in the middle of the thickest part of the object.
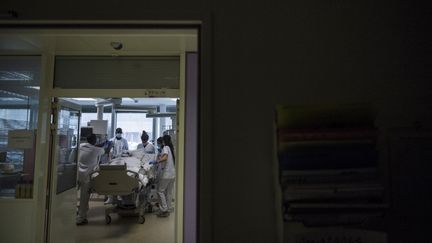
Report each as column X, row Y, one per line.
column 328, row 164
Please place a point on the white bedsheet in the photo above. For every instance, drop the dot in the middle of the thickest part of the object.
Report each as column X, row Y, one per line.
column 139, row 163
column 132, row 164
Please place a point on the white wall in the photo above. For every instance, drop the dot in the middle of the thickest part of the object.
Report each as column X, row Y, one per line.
column 267, row 53
column 17, row 218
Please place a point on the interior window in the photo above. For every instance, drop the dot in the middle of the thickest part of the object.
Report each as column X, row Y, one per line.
column 19, row 99
column 132, row 125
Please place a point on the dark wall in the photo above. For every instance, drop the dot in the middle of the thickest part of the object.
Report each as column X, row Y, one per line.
column 283, row 52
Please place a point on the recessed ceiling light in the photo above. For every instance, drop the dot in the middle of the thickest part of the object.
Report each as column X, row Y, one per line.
column 10, row 99
column 84, row 99
column 33, row 87
column 116, row 45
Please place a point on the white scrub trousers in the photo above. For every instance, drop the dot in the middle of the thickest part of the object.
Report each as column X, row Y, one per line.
column 84, row 201
column 165, row 193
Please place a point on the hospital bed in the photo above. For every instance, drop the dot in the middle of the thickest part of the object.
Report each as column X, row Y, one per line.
column 126, row 179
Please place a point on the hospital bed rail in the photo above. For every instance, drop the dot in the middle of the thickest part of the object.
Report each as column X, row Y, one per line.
column 114, row 180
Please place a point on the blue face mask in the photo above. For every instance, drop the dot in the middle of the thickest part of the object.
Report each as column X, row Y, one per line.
column 118, row 135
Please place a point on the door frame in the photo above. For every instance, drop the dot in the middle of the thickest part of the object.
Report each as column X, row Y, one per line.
column 52, row 179
column 140, row 93
column 204, row 110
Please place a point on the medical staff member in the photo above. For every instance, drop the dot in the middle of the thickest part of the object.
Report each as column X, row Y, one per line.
column 166, row 181
column 145, row 145
column 159, row 143
column 88, row 159
column 119, row 144
column 106, row 145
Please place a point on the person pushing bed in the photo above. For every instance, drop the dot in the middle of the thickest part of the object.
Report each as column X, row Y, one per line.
column 88, row 161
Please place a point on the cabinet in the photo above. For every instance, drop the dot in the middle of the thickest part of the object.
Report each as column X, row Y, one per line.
column 328, row 164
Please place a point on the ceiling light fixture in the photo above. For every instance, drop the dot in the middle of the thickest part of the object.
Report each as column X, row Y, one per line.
column 116, row 45
column 84, row 99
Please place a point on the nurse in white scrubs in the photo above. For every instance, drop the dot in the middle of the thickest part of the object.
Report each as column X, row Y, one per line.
column 146, row 145
column 167, row 176
column 88, row 159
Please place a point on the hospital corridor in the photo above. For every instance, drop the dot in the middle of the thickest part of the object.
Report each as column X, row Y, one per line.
column 114, row 214
column 125, row 229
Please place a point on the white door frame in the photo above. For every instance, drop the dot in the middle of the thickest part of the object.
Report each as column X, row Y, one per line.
column 139, row 93
column 67, row 195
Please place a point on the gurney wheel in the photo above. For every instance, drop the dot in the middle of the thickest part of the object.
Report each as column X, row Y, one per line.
column 141, row 219
column 107, row 219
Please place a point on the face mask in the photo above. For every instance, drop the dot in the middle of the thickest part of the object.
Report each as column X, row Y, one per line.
column 118, row 135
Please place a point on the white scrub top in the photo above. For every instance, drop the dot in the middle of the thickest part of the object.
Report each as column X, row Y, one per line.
column 167, row 167
column 119, row 146
column 88, row 160
column 148, row 149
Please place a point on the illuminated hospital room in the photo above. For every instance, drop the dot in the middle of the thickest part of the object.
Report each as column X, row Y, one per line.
column 122, row 184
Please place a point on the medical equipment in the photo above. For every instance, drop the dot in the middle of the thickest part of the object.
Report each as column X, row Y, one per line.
column 99, row 126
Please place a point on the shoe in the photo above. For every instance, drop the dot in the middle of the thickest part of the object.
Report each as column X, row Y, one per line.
column 163, row 214
column 108, row 201
column 81, row 221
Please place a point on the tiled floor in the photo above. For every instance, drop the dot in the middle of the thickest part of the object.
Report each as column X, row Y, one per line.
column 124, row 229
